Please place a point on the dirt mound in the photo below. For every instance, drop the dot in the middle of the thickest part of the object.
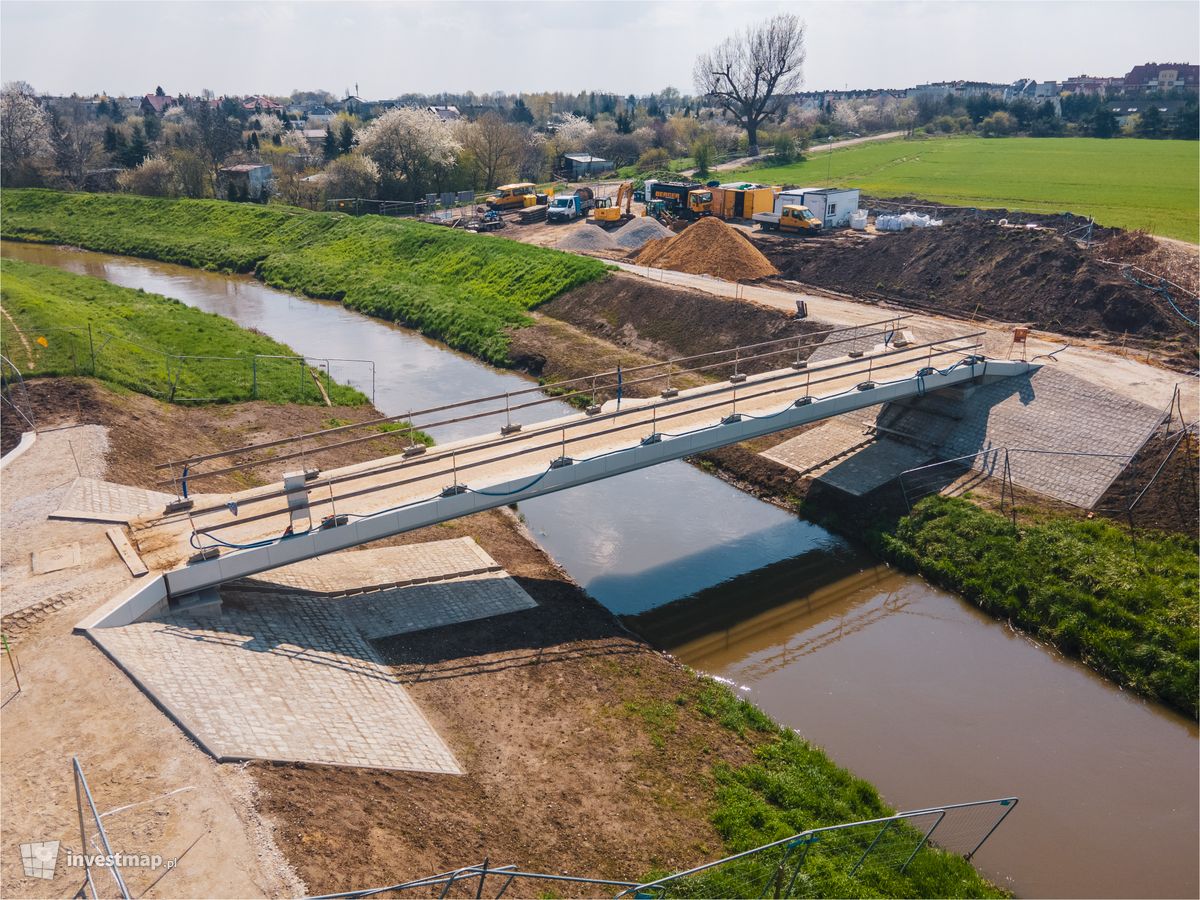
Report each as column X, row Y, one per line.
column 1007, row 274
column 709, row 247
column 586, row 238
column 635, row 234
column 662, row 321
column 1173, row 260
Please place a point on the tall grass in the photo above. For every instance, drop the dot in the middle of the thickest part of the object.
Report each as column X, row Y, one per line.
column 134, row 334
column 464, row 289
column 1126, row 605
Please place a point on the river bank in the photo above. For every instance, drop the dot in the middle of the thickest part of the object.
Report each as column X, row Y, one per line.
column 636, row 537
column 585, row 749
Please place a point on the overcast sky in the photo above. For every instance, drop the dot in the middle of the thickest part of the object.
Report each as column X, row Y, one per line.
column 624, row 47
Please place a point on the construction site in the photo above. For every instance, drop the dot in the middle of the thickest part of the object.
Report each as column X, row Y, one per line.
column 588, row 625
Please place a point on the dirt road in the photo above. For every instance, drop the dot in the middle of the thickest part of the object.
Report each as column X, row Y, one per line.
column 743, row 162
column 1125, row 375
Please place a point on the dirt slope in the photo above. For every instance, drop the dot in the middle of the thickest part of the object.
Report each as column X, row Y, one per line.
column 1006, row 274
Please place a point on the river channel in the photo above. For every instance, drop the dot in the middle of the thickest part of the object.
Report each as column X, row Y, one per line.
column 912, row 688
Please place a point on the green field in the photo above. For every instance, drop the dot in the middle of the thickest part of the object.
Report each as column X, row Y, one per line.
column 1125, row 183
column 464, row 289
column 132, row 336
column 1128, row 610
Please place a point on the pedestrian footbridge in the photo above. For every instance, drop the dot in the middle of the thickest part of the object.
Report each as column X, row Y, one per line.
column 209, row 539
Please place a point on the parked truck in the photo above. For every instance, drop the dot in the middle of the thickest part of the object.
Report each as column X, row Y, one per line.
column 686, row 199
column 568, row 207
column 792, row 218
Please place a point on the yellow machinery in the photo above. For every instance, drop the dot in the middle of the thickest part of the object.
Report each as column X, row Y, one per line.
column 514, row 196
column 791, row 219
column 742, row 201
column 608, row 212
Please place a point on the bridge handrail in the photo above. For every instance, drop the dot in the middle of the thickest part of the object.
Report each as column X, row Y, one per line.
column 797, row 342
column 558, row 442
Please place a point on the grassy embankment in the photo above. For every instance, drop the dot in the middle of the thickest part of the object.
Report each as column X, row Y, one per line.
column 1126, row 606
column 1126, row 183
column 466, row 290
column 134, row 333
column 789, row 787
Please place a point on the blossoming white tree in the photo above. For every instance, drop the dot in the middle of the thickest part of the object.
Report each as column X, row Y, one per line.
column 411, row 147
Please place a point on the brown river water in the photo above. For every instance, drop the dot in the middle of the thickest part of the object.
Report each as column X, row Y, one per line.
column 909, row 686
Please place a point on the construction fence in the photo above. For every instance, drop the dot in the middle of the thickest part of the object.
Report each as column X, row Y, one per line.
column 852, row 860
column 183, row 378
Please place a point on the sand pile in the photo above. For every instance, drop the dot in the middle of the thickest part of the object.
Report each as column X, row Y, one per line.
column 635, row 234
column 709, row 247
column 587, row 238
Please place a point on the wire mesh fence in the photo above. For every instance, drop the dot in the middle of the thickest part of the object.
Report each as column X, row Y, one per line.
column 851, row 860
column 102, row 869
column 185, row 378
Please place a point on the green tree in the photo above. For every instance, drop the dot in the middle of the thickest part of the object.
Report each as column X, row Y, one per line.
column 346, row 137
column 1104, row 123
column 138, row 149
column 702, row 155
column 1187, row 122
column 1151, row 123
column 152, row 127
column 331, row 145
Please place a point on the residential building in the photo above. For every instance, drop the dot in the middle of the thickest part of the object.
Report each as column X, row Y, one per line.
column 156, row 104
column 1167, row 76
column 446, row 113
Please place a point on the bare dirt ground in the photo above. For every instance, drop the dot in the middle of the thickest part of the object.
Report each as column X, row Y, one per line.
column 584, row 748
column 580, row 744
column 158, row 792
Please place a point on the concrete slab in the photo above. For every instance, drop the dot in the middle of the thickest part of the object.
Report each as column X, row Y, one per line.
column 874, row 466
column 418, row 607
column 279, row 678
column 55, row 559
column 369, row 570
column 93, row 500
column 814, row 448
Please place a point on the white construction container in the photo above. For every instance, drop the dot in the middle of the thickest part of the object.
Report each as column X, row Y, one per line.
column 833, row 206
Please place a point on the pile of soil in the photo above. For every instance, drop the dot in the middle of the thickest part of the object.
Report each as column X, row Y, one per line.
column 636, row 234
column 668, row 322
column 1173, row 260
column 587, row 239
column 1006, row 274
column 709, row 247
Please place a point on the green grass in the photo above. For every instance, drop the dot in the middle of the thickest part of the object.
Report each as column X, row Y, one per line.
column 1127, row 607
column 133, row 332
column 464, row 289
column 1125, row 183
column 791, row 786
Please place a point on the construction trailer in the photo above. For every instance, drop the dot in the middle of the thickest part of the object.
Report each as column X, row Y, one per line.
column 741, row 200
column 831, row 206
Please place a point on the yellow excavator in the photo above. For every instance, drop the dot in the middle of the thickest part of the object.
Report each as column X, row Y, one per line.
column 608, row 213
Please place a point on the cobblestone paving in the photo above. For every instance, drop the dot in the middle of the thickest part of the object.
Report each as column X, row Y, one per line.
column 418, row 607
column 282, row 678
column 817, row 446
column 874, row 466
column 1054, row 411
column 363, row 570
column 90, row 498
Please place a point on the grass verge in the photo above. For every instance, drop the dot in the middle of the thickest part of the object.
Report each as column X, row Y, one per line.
column 464, row 289
column 1125, row 183
column 1127, row 606
column 134, row 333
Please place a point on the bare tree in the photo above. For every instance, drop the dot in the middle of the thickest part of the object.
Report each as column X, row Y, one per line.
column 24, row 132
column 495, row 145
column 751, row 73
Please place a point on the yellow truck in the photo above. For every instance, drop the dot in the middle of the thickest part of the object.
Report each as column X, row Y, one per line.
column 791, row 219
column 516, row 196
